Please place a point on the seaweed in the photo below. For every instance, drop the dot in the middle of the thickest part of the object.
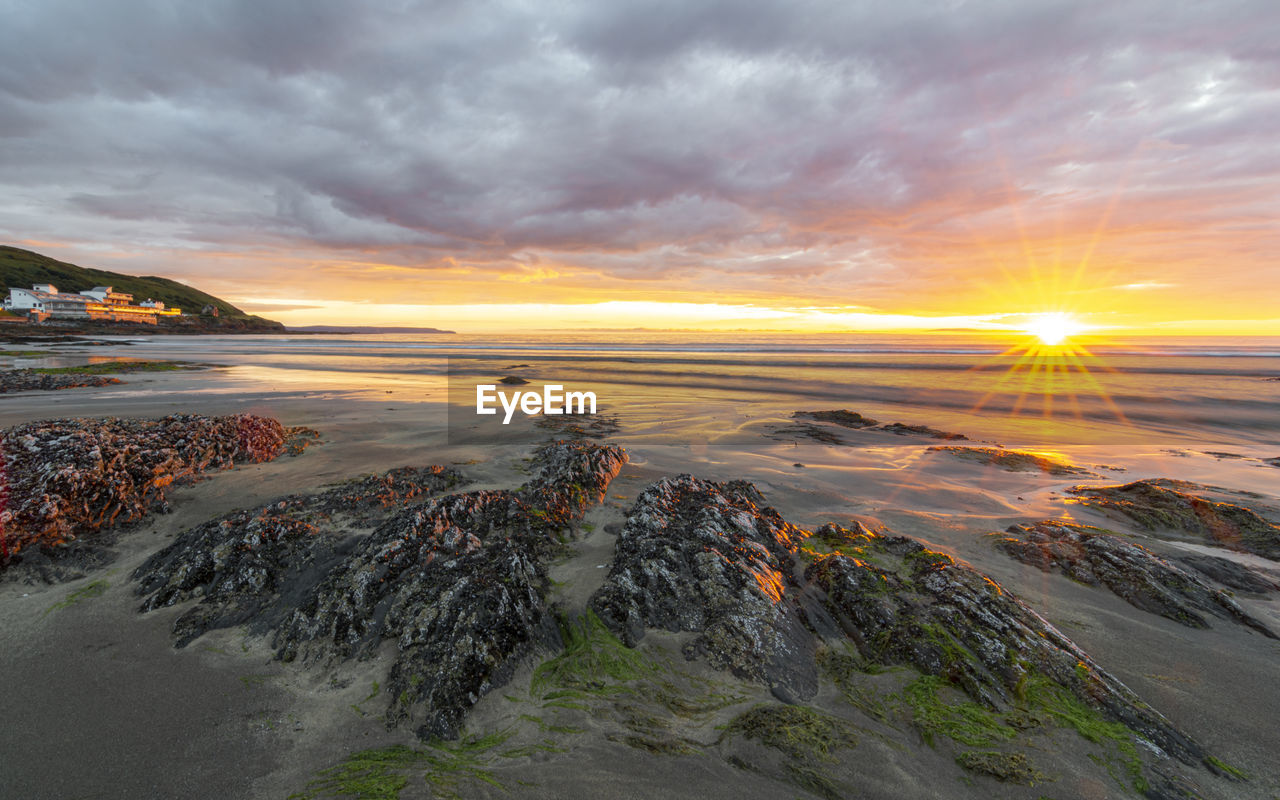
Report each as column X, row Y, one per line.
column 800, row 733
column 592, row 659
column 966, row 722
column 381, row 774
column 86, row 592
column 1004, row 767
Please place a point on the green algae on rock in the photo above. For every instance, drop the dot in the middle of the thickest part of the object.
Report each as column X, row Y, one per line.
column 710, row 559
column 948, row 620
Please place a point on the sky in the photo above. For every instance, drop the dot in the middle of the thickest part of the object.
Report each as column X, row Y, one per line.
column 795, row 165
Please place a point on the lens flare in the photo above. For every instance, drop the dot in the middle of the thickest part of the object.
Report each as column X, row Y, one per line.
column 1053, row 329
column 1051, row 363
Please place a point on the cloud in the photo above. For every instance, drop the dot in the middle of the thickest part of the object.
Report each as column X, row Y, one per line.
column 869, row 154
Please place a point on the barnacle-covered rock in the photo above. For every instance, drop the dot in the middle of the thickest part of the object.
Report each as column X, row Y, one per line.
column 25, row 380
column 706, row 557
column 1145, row 580
column 458, row 582
column 66, row 478
column 1169, row 507
column 248, row 566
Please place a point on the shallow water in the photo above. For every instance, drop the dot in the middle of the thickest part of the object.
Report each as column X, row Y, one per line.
column 698, row 387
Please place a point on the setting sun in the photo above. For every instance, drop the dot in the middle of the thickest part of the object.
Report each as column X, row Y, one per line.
column 1053, row 329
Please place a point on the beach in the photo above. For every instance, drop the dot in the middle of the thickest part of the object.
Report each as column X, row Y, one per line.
column 105, row 706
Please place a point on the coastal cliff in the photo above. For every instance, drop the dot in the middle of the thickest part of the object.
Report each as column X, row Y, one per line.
column 202, row 312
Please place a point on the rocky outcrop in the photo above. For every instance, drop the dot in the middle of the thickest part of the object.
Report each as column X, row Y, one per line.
column 921, row 430
column 1169, row 507
column 249, row 566
column 852, row 419
column 902, row 603
column 458, row 583
column 1013, row 460
column 63, row 479
column 840, row 416
column 24, row 380
column 1232, row 574
column 761, row 596
column 706, row 557
column 1096, row 557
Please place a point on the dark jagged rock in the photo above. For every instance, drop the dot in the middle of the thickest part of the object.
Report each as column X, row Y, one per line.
column 1275, row 462
column 458, row 583
column 67, row 478
column 572, row 477
column 921, row 430
column 579, row 426
column 842, row 417
column 808, row 431
column 1166, row 506
column 708, row 558
column 253, row 565
column 701, row 556
column 1013, row 460
column 852, row 419
column 1231, row 574
column 513, row 380
column 902, row 603
column 1099, row 558
column 23, row 380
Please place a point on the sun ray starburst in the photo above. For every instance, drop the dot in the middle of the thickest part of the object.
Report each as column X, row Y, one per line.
column 1051, row 363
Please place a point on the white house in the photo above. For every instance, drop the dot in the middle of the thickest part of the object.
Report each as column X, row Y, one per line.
column 44, row 298
column 107, row 296
column 99, row 303
column 25, row 300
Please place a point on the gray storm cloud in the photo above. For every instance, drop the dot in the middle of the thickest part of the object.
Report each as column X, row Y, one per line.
column 787, row 142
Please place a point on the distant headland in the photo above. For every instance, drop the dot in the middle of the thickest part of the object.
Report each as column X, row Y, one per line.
column 362, row 329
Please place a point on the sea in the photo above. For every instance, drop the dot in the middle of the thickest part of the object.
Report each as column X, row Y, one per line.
column 734, row 388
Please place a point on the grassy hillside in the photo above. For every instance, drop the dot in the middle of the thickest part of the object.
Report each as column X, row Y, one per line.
column 22, row 268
